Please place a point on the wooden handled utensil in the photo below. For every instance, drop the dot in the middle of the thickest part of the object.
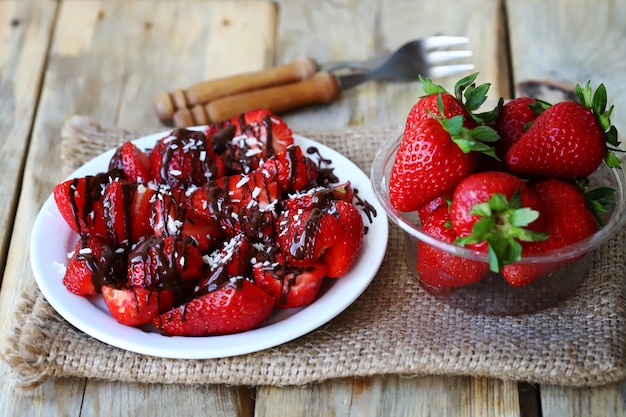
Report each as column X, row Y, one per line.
column 323, row 87
column 167, row 103
column 414, row 58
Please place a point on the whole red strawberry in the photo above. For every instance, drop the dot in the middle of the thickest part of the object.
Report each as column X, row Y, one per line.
column 428, row 164
column 514, row 119
column 568, row 140
column 494, row 211
column 465, row 100
column 436, row 152
column 438, row 268
column 567, row 219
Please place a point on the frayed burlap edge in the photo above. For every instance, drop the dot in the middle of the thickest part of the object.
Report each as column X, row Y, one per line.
column 577, row 343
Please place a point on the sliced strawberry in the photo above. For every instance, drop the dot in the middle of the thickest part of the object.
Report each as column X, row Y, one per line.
column 319, row 196
column 127, row 211
column 167, row 214
column 304, row 235
column 242, row 203
column 290, row 286
column 291, row 169
column 437, row 268
column 340, row 257
column 79, row 201
column 92, row 264
column 246, row 140
column 163, row 263
column 232, row 259
column 205, row 232
column 182, row 159
column 134, row 162
column 137, row 305
column 235, row 306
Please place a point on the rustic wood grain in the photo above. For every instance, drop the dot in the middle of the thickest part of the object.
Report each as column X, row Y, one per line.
column 566, row 42
column 586, row 51
column 108, row 59
column 24, row 39
column 25, row 31
column 393, row 396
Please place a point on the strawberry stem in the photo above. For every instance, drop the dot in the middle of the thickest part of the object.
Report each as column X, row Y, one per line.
column 503, row 224
column 597, row 102
column 469, row 94
column 468, row 140
column 597, row 200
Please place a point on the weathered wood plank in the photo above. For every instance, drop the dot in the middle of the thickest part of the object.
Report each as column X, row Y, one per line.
column 393, row 396
column 574, row 47
column 584, row 402
column 24, row 35
column 108, row 59
column 348, row 30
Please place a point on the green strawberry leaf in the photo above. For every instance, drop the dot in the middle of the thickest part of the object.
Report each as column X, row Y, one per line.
column 463, row 84
column 597, row 102
column 597, row 200
column 584, row 94
column 503, row 224
column 467, row 140
column 485, row 134
column 539, row 106
column 475, row 97
column 430, row 87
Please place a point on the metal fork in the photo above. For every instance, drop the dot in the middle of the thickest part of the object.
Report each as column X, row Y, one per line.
column 414, row 58
column 304, row 82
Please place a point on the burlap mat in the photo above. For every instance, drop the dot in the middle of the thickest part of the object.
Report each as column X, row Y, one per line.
column 393, row 328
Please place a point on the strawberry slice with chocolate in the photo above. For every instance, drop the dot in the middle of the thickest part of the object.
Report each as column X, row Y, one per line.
column 91, row 264
column 164, row 263
column 79, row 201
column 183, row 159
column 127, row 212
column 230, row 260
column 246, row 140
column 290, row 286
column 291, row 169
column 133, row 162
column 136, row 305
column 340, row 257
column 304, row 235
column 241, row 203
column 237, row 305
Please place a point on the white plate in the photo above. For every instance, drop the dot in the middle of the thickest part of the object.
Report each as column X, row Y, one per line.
column 52, row 239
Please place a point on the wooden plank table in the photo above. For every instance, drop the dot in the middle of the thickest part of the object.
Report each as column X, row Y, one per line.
column 108, row 58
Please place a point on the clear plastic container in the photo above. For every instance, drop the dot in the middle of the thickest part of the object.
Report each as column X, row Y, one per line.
column 492, row 295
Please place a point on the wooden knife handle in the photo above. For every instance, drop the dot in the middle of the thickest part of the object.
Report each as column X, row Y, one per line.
column 166, row 103
column 321, row 88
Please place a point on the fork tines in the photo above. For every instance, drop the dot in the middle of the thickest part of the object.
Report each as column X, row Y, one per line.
column 436, row 52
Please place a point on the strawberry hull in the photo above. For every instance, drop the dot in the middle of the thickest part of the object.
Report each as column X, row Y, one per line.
column 461, row 276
